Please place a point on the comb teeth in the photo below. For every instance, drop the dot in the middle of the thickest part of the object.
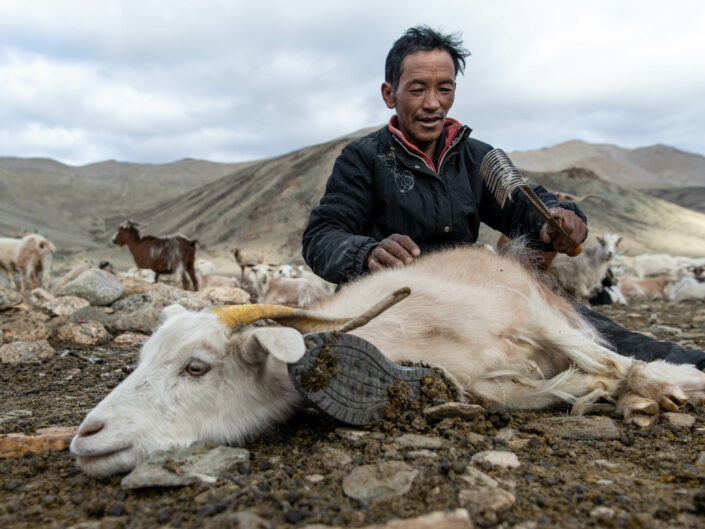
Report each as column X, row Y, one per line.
column 500, row 175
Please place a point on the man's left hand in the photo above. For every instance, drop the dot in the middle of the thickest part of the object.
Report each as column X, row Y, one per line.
column 573, row 226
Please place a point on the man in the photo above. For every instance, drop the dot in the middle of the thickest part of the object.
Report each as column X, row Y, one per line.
column 414, row 186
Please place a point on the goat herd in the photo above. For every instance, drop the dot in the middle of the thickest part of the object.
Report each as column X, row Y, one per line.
column 30, row 259
column 599, row 275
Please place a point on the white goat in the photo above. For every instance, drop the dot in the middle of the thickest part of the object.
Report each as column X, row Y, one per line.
column 686, row 288
column 293, row 291
column 645, row 265
column 286, row 270
column 508, row 339
column 8, row 251
column 652, row 287
column 581, row 276
column 205, row 272
column 33, row 260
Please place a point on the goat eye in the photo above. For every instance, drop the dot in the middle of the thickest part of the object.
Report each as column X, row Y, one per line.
column 196, row 368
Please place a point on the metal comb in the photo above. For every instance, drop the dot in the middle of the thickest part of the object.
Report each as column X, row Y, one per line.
column 502, row 178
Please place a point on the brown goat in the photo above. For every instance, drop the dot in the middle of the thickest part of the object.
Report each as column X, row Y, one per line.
column 163, row 255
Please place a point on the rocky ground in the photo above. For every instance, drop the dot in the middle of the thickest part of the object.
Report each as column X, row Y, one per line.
column 517, row 470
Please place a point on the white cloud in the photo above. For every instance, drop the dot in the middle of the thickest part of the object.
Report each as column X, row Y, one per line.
column 154, row 81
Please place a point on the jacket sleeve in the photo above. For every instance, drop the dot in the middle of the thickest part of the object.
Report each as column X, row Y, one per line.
column 332, row 242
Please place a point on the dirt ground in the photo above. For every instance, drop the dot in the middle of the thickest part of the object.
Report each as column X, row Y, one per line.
column 654, row 477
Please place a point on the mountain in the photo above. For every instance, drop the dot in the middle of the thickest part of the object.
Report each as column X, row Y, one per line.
column 658, row 166
column 70, row 204
column 264, row 205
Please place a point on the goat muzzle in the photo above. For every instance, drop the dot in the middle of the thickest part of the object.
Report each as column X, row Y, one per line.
column 303, row 320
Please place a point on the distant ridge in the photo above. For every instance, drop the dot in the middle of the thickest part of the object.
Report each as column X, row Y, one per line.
column 265, row 204
column 658, row 166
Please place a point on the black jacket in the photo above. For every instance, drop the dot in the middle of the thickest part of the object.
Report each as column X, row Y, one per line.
column 380, row 186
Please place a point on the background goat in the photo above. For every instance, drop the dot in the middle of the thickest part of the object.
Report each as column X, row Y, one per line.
column 507, row 338
column 8, row 252
column 163, row 255
column 582, row 276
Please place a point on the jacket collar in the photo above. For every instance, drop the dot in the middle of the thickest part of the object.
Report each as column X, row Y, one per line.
column 452, row 129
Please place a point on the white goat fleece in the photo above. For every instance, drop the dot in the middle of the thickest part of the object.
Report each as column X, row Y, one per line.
column 507, row 338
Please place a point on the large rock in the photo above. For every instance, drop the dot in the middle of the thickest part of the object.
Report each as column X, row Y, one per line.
column 26, row 328
column 9, row 298
column 87, row 333
column 97, row 286
column 200, row 462
column 61, row 306
column 133, row 302
column 22, row 352
column 141, row 321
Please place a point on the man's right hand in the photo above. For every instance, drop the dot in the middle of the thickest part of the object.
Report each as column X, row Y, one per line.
column 394, row 251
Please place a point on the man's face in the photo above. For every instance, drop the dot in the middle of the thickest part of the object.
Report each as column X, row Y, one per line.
column 423, row 97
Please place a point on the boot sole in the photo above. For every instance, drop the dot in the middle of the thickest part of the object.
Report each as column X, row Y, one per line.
column 347, row 377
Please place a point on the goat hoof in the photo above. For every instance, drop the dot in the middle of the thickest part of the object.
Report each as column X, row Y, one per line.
column 668, row 404
column 643, row 421
column 644, row 405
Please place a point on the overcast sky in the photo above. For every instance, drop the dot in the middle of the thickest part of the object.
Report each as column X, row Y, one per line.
column 156, row 81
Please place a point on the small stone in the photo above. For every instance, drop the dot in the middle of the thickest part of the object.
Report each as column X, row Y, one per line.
column 475, row 438
column 486, row 502
column 130, row 339
column 87, row 333
column 333, row 457
column 23, row 352
column 602, row 513
column 384, row 481
column 457, row 519
column 453, row 409
column 410, row 440
column 679, row 420
column 9, row 298
column 575, row 427
column 496, row 458
column 26, row 328
column 416, row 454
column 476, row 478
column 56, row 438
column 61, row 306
column 518, row 444
column 605, row 464
column 14, row 415
column 506, row 434
column 351, row 435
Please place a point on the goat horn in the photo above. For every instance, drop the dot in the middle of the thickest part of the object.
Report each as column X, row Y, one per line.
column 303, row 320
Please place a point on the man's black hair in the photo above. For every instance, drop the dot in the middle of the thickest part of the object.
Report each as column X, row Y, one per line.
column 423, row 38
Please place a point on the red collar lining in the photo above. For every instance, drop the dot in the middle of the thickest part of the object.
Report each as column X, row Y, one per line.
column 452, row 128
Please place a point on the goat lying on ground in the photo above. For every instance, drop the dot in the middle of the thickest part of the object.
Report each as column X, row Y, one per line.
column 163, row 255
column 508, row 339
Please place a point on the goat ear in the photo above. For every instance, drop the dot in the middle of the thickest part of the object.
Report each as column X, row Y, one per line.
column 171, row 311
column 283, row 343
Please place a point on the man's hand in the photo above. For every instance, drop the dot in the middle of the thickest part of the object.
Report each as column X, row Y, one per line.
column 573, row 226
column 394, row 251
